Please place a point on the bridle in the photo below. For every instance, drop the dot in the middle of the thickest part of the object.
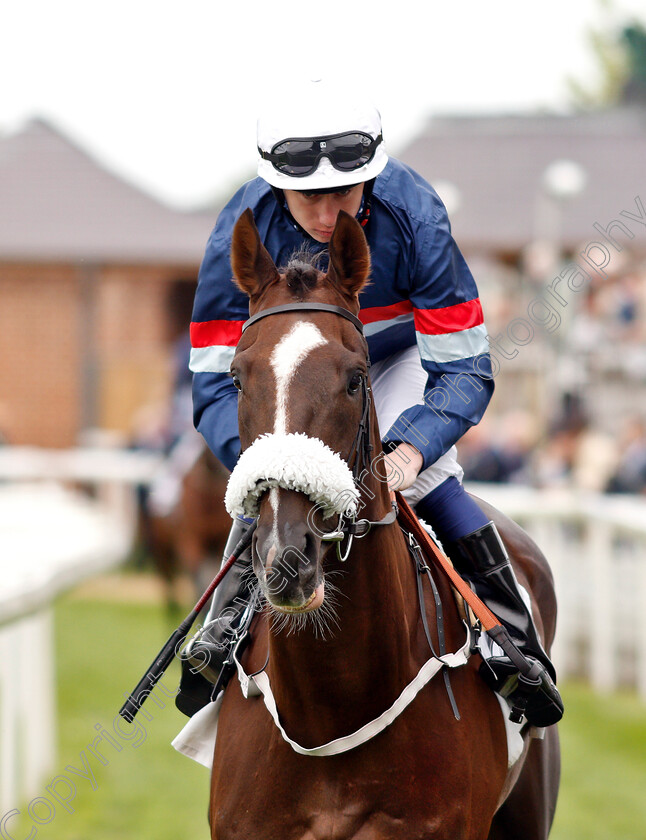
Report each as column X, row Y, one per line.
column 360, row 451
column 360, row 456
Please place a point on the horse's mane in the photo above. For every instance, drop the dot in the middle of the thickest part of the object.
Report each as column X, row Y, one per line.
column 302, row 272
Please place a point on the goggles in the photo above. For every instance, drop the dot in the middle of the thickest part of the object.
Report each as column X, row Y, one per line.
column 301, row 156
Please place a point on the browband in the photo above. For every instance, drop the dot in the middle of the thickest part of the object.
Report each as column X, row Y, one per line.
column 296, row 307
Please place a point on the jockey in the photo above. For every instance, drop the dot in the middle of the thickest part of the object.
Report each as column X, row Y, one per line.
column 431, row 373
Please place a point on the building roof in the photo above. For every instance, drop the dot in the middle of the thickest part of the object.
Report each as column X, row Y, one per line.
column 58, row 204
column 497, row 164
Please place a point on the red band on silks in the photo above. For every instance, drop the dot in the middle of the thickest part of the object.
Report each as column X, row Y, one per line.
column 216, row 333
column 411, row 523
column 385, row 313
column 449, row 319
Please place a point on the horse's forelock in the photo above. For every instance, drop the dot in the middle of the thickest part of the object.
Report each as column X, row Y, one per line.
column 302, row 272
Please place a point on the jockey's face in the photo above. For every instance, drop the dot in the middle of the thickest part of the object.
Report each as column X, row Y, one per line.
column 316, row 212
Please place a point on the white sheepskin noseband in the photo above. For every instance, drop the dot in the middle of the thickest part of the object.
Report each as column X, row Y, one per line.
column 295, row 462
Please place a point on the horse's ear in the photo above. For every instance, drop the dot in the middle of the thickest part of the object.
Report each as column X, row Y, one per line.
column 253, row 268
column 349, row 255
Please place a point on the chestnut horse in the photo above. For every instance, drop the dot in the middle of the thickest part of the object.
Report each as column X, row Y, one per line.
column 302, row 373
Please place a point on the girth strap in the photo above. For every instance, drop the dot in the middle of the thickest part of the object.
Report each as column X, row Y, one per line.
column 422, row 568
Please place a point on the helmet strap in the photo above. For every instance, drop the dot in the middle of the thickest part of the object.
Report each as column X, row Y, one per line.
column 364, row 212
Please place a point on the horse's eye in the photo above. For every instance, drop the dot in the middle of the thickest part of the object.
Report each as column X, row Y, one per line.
column 355, row 383
column 236, row 381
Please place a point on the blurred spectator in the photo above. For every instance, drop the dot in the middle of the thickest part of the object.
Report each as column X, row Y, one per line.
column 150, row 427
column 499, row 454
column 158, row 426
column 588, row 329
column 595, row 460
column 168, row 428
column 553, row 460
column 480, row 459
column 575, row 453
column 627, row 301
column 181, row 410
column 630, row 475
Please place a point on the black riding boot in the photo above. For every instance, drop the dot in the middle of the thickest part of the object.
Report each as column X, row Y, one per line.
column 209, row 648
column 482, row 559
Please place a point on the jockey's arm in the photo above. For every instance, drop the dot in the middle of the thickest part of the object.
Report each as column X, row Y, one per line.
column 452, row 343
column 219, row 311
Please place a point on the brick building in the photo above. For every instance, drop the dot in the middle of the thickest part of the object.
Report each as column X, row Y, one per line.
column 97, row 278
column 96, row 283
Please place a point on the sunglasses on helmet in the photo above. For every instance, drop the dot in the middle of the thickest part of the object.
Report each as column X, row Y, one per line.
column 300, row 156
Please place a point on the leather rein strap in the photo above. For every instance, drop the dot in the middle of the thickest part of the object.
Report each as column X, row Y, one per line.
column 481, row 611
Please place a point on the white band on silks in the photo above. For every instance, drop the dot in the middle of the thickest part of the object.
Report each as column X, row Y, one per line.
column 374, row 727
column 295, row 462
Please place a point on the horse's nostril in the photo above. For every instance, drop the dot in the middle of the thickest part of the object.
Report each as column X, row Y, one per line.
column 310, row 552
column 291, row 574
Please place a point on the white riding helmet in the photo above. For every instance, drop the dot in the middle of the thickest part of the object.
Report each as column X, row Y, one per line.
column 325, row 136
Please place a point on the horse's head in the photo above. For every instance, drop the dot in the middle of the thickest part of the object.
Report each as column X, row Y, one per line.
column 302, row 375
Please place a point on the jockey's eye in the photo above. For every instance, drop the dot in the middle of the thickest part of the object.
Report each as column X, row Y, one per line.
column 236, row 381
column 355, row 382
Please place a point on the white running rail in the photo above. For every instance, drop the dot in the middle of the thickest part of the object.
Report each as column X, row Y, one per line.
column 596, row 546
column 51, row 537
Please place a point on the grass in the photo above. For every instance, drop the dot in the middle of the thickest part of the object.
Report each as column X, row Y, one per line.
column 149, row 792
column 603, row 740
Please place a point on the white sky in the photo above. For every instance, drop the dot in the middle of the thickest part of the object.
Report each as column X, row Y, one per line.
column 165, row 92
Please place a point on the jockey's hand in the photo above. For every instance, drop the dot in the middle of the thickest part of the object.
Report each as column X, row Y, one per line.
column 402, row 466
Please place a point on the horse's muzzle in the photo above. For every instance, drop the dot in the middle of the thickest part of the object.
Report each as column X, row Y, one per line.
column 286, row 556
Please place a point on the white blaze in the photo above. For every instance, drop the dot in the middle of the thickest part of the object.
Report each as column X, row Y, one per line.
column 275, row 538
column 285, row 359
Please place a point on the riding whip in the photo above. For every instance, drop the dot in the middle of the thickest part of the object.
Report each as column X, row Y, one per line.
column 165, row 656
